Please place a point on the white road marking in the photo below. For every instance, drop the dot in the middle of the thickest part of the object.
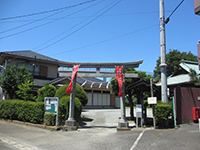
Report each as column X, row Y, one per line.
column 18, row 145
column 137, row 140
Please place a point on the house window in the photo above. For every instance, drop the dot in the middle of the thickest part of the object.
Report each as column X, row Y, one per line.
column 30, row 68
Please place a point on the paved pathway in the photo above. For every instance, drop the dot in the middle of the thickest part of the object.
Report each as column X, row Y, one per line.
column 107, row 117
column 99, row 134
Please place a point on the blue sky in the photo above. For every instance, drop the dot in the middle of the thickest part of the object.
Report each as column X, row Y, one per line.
column 94, row 32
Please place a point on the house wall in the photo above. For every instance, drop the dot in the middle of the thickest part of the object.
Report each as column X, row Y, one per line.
column 52, row 70
column 98, row 97
column 185, row 99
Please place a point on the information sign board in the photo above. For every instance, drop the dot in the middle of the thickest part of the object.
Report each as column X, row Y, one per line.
column 152, row 100
column 51, row 104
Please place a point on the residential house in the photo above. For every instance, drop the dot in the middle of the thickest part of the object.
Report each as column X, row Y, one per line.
column 43, row 68
column 185, row 92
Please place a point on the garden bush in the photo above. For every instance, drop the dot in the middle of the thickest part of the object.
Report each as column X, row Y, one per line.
column 162, row 113
column 49, row 119
column 47, row 91
column 80, row 93
column 33, row 112
column 22, row 110
column 63, row 112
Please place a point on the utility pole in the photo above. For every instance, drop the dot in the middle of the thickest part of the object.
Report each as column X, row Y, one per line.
column 163, row 64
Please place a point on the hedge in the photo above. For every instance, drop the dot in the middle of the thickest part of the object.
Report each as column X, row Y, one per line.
column 80, row 93
column 33, row 112
column 49, row 119
column 26, row 111
column 162, row 112
column 47, row 91
column 63, row 112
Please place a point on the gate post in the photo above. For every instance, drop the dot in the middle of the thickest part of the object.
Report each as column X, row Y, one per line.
column 70, row 123
column 123, row 124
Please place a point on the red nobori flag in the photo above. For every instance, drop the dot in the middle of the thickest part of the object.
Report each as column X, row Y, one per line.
column 75, row 69
column 119, row 75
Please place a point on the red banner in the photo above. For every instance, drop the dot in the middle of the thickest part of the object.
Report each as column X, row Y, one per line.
column 198, row 49
column 119, row 75
column 75, row 69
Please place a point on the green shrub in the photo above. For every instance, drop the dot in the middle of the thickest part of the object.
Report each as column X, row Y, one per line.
column 33, row 112
column 63, row 112
column 22, row 110
column 49, row 119
column 162, row 112
column 80, row 93
column 25, row 91
column 47, row 91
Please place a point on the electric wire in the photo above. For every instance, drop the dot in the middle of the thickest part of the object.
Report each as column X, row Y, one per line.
column 68, row 29
column 29, row 23
column 107, row 40
column 48, row 11
column 120, row 14
column 80, row 27
column 167, row 20
column 35, row 26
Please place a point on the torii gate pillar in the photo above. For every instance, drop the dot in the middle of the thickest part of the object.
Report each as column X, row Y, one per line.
column 70, row 123
column 123, row 124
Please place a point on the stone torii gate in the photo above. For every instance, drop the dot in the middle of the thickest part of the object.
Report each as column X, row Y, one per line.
column 122, row 124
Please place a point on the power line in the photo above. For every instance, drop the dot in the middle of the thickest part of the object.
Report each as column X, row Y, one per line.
column 167, row 20
column 80, row 27
column 100, row 42
column 119, row 14
column 48, row 11
column 68, row 29
column 38, row 25
column 29, row 23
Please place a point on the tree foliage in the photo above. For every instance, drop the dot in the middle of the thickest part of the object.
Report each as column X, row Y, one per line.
column 128, row 81
column 25, row 91
column 130, row 95
column 12, row 77
column 173, row 59
column 47, row 91
column 194, row 77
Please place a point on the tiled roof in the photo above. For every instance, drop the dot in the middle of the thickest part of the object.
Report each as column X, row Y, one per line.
column 80, row 81
column 90, row 80
column 176, row 78
column 30, row 54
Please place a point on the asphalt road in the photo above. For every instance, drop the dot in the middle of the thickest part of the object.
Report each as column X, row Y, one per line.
column 99, row 133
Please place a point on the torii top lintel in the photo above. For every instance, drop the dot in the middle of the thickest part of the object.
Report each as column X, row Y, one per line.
column 134, row 64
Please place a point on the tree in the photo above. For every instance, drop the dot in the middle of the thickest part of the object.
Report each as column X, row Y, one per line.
column 194, row 77
column 47, row 91
column 130, row 95
column 12, row 77
column 173, row 59
column 25, row 91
